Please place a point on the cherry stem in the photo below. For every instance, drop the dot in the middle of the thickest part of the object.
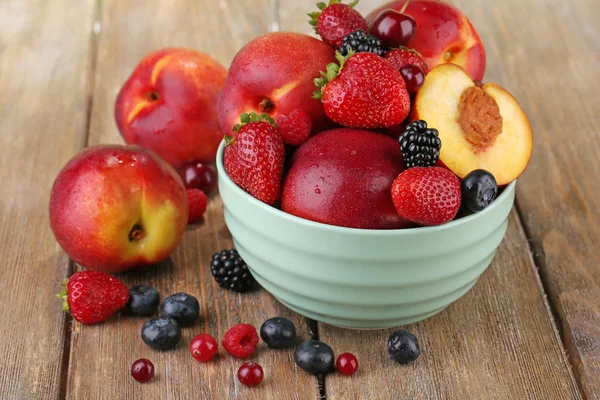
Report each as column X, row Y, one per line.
column 136, row 233
column 404, row 7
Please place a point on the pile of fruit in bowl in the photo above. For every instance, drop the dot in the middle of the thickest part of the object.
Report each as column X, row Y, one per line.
column 367, row 175
column 372, row 162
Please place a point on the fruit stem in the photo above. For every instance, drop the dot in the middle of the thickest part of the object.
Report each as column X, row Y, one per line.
column 404, row 7
column 136, row 233
column 152, row 96
column 266, row 105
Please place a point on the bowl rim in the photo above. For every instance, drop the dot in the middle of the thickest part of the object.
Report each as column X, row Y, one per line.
column 276, row 212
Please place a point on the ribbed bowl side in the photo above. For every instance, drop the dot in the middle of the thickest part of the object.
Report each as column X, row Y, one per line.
column 362, row 278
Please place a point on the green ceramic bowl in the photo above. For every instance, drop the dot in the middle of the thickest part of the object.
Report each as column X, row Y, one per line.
column 357, row 278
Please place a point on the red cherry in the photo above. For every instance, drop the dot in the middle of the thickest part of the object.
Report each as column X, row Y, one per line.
column 347, row 364
column 197, row 175
column 142, row 370
column 394, row 29
column 203, row 347
column 250, row 374
column 413, row 76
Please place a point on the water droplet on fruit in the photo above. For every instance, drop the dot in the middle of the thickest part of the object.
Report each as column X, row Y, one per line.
column 318, row 191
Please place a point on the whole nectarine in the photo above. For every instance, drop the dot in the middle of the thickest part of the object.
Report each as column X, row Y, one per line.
column 274, row 74
column 168, row 105
column 115, row 207
column 344, row 177
column 444, row 34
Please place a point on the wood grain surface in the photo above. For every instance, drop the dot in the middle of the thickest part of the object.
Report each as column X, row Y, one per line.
column 551, row 63
column 40, row 129
column 61, row 66
column 101, row 355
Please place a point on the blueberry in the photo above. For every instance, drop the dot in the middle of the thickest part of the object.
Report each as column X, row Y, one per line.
column 143, row 300
column 403, row 347
column 182, row 307
column 161, row 333
column 478, row 189
column 314, row 357
column 278, row 333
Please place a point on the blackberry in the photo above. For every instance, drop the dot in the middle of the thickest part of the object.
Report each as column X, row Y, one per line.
column 420, row 146
column 231, row 272
column 360, row 42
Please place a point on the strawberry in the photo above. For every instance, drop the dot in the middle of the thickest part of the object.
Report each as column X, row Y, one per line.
column 405, row 56
column 295, row 127
column 336, row 20
column 197, row 202
column 363, row 91
column 254, row 157
column 427, row 195
column 93, row 296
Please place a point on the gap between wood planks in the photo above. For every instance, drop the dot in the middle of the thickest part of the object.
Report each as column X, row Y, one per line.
column 545, row 287
column 91, row 80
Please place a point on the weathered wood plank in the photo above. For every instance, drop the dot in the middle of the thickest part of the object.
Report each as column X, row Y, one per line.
column 44, row 64
column 102, row 355
column 547, row 53
column 500, row 340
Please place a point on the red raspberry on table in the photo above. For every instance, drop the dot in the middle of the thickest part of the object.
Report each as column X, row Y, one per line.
column 197, row 202
column 427, row 195
column 93, row 296
column 336, row 20
column 240, row 340
column 405, row 56
column 295, row 127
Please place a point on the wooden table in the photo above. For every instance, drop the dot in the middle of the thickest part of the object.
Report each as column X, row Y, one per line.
column 530, row 328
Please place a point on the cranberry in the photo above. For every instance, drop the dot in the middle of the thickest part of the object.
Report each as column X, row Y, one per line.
column 197, row 175
column 142, row 370
column 347, row 364
column 203, row 347
column 250, row 374
column 394, row 29
column 413, row 76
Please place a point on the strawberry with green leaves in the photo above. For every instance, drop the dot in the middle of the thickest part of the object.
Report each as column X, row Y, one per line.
column 336, row 20
column 363, row 91
column 254, row 157
column 93, row 297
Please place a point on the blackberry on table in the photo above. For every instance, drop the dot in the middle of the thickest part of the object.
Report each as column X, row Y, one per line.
column 360, row 42
column 420, row 146
column 231, row 272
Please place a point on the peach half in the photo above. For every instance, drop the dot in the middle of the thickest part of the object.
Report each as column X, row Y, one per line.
column 480, row 125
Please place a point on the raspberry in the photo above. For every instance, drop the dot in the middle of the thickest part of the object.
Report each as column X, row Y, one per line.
column 197, row 202
column 240, row 341
column 295, row 127
column 427, row 195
